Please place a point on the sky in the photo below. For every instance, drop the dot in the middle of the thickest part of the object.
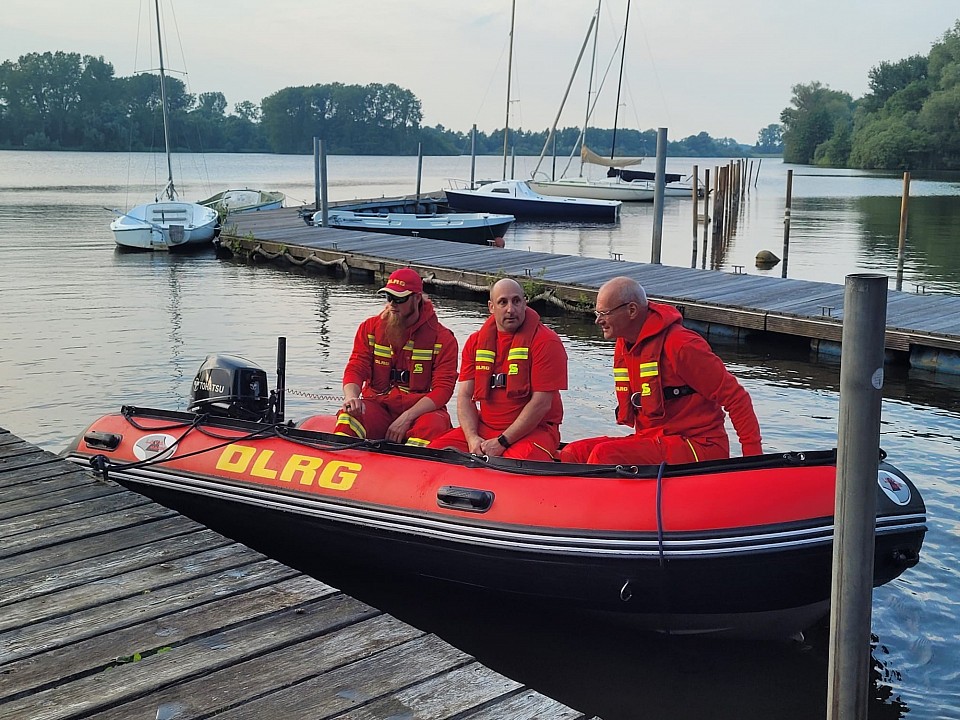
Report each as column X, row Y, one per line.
column 725, row 68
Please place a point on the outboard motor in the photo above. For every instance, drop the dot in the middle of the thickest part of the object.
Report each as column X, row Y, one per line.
column 230, row 386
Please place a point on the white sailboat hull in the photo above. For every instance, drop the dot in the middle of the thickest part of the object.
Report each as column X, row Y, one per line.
column 164, row 226
column 595, row 189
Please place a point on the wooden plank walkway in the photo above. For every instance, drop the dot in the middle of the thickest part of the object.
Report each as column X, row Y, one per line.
column 112, row 606
column 927, row 327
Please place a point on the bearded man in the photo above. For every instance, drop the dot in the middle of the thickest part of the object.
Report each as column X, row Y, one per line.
column 402, row 370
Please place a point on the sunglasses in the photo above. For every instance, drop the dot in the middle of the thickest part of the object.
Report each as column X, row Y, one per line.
column 394, row 300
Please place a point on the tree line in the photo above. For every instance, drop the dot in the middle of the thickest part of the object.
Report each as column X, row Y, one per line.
column 65, row 101
column 909, row 119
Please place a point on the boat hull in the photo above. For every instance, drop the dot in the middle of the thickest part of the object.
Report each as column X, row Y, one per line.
column 471, row 228
column 233, row 202
column 742, row 546
column 599, row 189
column 513, row 197
column 165, row 226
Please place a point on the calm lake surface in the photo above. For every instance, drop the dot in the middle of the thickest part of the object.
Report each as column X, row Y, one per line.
column 85, row 329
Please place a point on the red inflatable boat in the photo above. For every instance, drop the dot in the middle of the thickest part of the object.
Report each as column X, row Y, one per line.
column 715, row 546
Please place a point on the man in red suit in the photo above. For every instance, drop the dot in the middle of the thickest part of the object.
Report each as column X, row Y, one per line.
column 402, row 370
column 671, row 388
column 511, row 374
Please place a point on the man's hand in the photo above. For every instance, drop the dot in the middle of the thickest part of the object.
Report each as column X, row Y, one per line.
column 353, row 406
column 399, row 428
column 475, row 445
column 492, row 448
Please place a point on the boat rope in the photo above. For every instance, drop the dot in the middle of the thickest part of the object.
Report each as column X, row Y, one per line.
column 663, row 465
column 103, row 465
column 314, row 396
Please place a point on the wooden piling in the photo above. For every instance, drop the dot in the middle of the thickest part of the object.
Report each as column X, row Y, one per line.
column 707, row 193
column 786, row 224
column 696, row 211
column 901, row 247
column 858, row 459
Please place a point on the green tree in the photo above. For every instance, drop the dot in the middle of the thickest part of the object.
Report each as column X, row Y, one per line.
column 887, row 79
column 817, row 114
column 770, row 139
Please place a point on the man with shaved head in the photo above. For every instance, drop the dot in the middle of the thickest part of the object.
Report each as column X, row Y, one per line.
column 670, row 386
column 511, row 373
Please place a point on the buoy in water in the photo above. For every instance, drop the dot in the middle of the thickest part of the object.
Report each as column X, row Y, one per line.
column 497, row 242
column 766, row 259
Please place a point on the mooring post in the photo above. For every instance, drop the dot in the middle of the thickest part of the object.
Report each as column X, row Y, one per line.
column 695, row 175
column 419, row 173
column 316, row 173
column 473, row 157
column 706, row 214
column 858, row 459
column 658, row 196
column 324, row 205
column 901, row 248
column 786, row 224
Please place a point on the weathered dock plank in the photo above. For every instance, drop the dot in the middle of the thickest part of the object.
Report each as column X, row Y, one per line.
column 917, row 324
column 114, row 607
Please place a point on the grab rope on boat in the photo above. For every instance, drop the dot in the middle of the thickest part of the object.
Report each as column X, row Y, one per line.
column 660, row 513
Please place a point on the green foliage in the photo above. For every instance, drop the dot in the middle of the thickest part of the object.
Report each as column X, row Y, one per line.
column 818, row 113
column 910, row 118
column 886, row 142
column 65, row 101
column 770, row 139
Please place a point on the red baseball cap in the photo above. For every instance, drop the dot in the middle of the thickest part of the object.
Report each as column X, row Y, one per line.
column 402, row 282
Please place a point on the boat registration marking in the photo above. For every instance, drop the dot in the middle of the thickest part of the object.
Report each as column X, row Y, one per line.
column 306, row 469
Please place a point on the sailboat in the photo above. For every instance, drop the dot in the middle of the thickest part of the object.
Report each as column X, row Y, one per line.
column 168, row 222
column 517, row 198
column 622, row 185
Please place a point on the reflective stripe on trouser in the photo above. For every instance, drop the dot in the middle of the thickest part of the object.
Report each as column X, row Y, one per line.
column 376, row 418
column 645, row 450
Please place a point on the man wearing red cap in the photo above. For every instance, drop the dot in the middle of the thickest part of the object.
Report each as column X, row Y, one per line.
column 511, row 375
column 402, row 370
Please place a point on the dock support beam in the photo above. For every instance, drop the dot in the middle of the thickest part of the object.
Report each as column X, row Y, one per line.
column 858, row 458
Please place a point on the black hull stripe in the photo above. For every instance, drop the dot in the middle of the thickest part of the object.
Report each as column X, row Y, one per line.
column 643, row 545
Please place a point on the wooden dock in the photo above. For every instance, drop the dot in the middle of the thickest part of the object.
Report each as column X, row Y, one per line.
column 923, row 330
column 112, row 606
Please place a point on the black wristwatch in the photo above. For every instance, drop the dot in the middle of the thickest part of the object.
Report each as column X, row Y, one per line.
column 503, row 441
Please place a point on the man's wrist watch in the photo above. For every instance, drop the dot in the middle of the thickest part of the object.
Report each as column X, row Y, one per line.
column 503, row 441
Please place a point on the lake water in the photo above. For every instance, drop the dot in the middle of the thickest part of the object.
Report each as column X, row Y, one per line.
column 85, row 329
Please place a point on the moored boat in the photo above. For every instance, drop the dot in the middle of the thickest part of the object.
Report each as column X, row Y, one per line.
column 244, row 200
column 741, row 545
column 472, row 228
column 517, row 198
column 166, row 223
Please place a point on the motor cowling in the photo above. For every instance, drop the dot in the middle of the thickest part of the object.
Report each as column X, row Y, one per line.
column 230, row 386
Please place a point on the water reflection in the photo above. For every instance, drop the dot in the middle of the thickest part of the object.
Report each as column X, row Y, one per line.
column 600, row 668
column 114, row 329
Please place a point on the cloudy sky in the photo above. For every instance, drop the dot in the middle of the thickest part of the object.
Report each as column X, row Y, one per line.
column 726, row 68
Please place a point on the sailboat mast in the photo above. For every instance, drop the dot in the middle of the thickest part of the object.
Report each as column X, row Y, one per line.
column 506, row 122
column 616, row 111
column 593, row 63
column 170, row 191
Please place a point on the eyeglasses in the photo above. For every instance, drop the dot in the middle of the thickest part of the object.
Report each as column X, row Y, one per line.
column 605, row 313
column 393, row 299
